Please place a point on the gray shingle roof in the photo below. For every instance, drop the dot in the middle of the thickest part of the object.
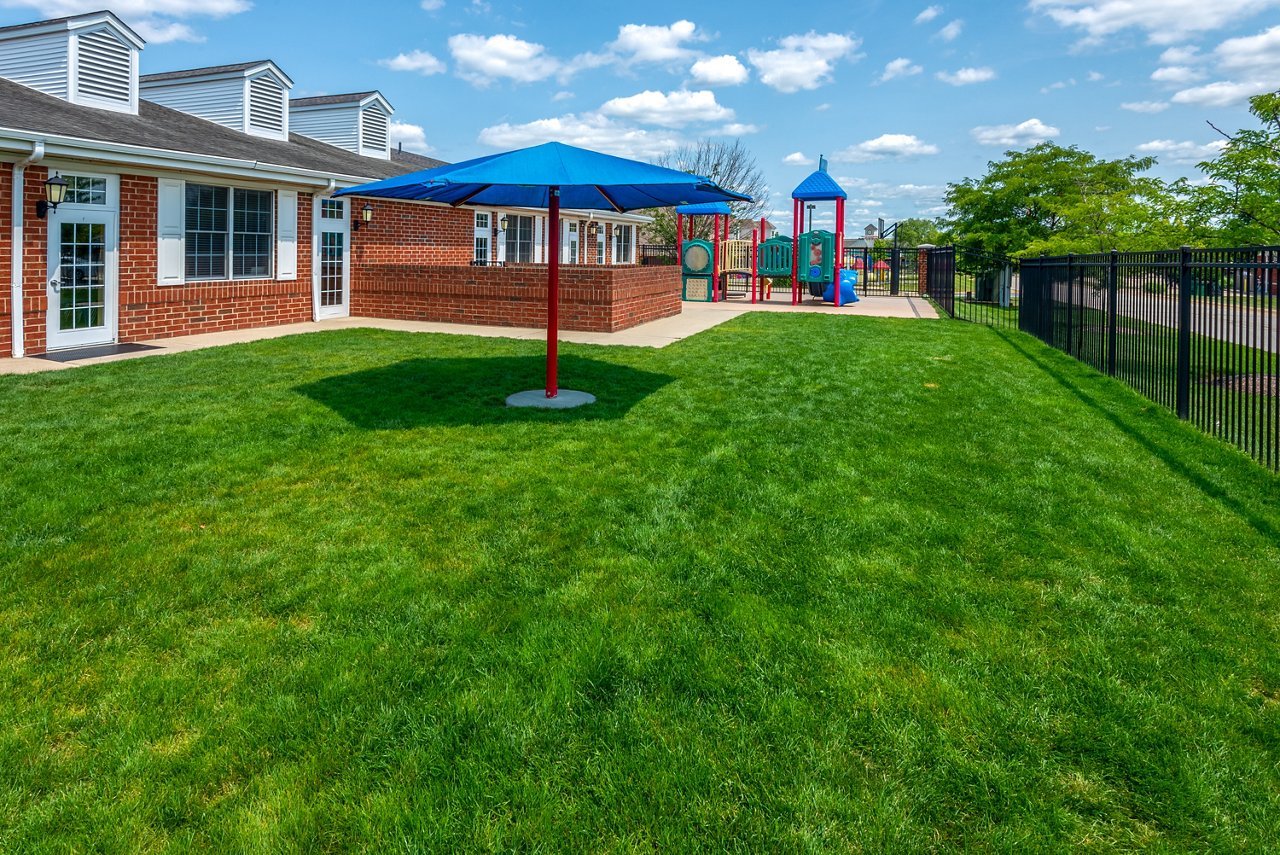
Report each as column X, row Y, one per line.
column 201, row 72
column 317, row 100
column 159, row 127
column 412, row 161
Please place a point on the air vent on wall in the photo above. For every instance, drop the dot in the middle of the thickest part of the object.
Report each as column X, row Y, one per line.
column 105, row 67
column 266, row 106
column 373, row 129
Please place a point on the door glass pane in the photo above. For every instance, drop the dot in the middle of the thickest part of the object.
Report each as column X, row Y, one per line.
column 332, row 261
column 83, row 276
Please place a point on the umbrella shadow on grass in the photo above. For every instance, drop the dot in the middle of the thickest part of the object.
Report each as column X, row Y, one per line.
column 473, row 391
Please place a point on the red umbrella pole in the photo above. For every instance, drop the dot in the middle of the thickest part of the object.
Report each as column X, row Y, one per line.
column 553, row 290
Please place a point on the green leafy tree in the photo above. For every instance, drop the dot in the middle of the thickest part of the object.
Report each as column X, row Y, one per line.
column 1247, row 175
column 914, row 231
column 1054, row 199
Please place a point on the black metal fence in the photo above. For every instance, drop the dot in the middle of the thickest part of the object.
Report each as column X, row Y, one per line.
column 974, row 286
column 658, row 253
column 1192, row 329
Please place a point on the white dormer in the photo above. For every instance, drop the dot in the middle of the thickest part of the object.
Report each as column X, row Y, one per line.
column 85, row 59
column 250, row 97
column 359, row 122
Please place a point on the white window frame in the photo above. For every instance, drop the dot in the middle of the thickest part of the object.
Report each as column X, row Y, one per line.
column 231, row 254
column 600, row 242
column 619, row 229
column 482, row 233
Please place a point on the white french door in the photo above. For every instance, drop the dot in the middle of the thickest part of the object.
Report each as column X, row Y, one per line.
column 331, row 283
column 82, row 283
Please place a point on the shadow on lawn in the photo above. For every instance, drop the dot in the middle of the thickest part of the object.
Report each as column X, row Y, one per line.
column 473, row 391
column 1169, row 458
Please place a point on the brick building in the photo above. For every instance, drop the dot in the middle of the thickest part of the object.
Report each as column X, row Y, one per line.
column 201, row 200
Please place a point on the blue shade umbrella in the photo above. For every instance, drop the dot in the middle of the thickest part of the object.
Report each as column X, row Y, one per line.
column 548, row 176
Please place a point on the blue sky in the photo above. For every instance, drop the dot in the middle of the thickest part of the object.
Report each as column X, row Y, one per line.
column 901, row 97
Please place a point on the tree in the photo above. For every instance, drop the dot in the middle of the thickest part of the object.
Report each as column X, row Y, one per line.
column 1054, row 199
column 731, row 165
column 914, row 231
column 1247, row 172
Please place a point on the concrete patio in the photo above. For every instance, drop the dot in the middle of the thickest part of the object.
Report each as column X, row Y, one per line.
column 695, row 318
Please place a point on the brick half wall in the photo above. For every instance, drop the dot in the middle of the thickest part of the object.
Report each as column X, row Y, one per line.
column 592, row 298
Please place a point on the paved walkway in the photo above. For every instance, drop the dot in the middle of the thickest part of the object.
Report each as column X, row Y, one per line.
column 695, row 318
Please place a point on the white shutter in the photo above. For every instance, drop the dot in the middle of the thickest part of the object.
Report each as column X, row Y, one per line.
column 287, row 235
column 500, row 252
column 537, row 239
column 171, row 256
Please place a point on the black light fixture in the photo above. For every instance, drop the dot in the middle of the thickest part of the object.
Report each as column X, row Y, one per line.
column 55, row 192
column 366, row 217
column 502, row 224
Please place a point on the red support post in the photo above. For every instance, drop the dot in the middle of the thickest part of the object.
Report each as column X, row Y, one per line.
column 715, row 258
column 755, row 265
column 679, row 238
column 764, row 236
column 839, row 260
column 553, row 291
column 795, row 251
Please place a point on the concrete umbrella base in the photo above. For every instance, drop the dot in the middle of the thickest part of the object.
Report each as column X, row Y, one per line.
column 565, row 400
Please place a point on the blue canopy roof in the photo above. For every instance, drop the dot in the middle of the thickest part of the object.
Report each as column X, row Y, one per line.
column 523, row 178
column 704, row 209
column 819, row 187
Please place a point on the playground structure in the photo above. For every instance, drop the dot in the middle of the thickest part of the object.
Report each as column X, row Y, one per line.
column 708, row 266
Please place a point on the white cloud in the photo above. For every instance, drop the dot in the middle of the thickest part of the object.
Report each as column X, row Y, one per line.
column 1179, row 75
column 1026, row 133
column 137, row 9
column 886, row 145
column 1061, row 84
column 142, row 14
column 719, row 71
column 1252, row 61
column 803, row 61
column 734, row 129
column 419, row 60
column 951, row 31
column 412, row 137
column 588, row 131
column 1183, row 55
column 1096, row 76
column 646, row 43
column 900, row 67
column 1145, row 106
column 432, row 5
column 163, row 32
column 1182, row 152
column 797, row 158
column 928, row 14
column 670, row 109
column 1165, row 22
column 562, row 95
column 822, row 108
column 967, row 76
column 1223, row 93
column 482, row 60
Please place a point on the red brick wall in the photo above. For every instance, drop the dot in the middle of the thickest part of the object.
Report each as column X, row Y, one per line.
column 595, row 299
column 6, row 278
column 149, row 310
column 146, row 309
column 35, row 261
column 408, row 233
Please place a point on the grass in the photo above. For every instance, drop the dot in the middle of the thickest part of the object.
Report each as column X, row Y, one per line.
column 800, row 583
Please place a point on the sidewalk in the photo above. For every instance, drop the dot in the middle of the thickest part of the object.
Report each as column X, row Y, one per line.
column 696, row 318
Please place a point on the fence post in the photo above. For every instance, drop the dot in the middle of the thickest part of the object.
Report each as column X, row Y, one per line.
column 1184, row 334
column 1071, row 301
column 895, row 261
column 1113, row 290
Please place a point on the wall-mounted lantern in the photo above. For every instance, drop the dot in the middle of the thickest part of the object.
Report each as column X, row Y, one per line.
column 502, row 224
column 364, row 217
column 55, row 192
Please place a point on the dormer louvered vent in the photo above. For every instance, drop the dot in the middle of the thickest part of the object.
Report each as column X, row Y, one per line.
column 84, row 59
column 105, row 67
column 250, row 97
column 266, row 106
column 359, row 122
column 374, row 128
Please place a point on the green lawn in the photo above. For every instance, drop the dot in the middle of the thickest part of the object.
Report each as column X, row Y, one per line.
column 801, row 583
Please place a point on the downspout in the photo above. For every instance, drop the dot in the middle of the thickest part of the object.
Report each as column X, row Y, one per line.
column 17, row 250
